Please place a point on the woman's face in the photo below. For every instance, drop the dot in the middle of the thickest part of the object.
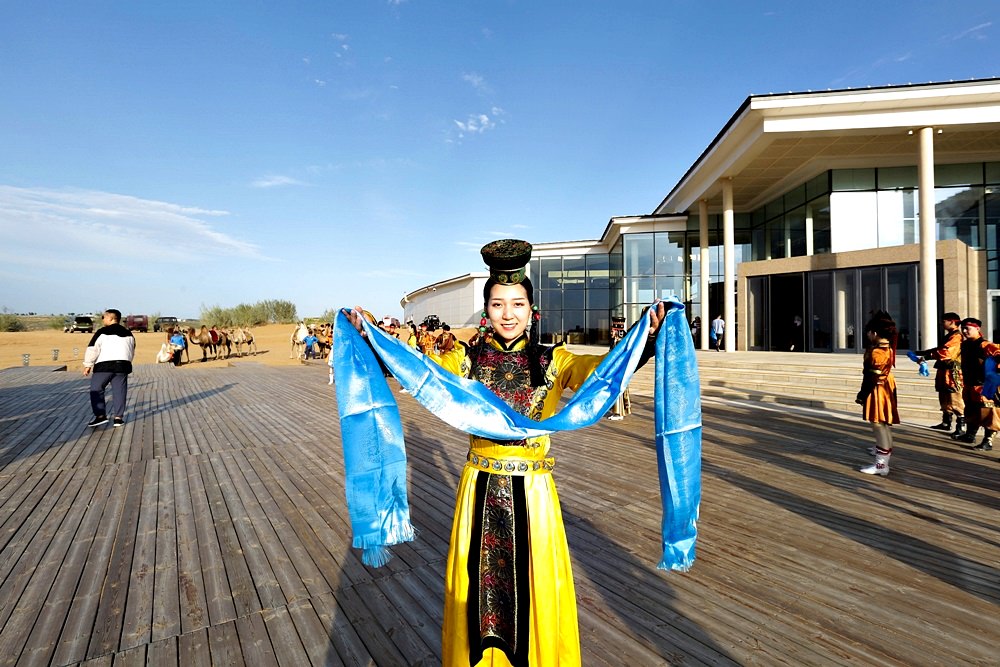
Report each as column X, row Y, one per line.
column 508, row 311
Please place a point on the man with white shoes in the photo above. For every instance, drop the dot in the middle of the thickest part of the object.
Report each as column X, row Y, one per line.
column 108, row 360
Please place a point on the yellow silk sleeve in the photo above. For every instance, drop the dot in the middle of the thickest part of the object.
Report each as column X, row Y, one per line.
column 572, row 369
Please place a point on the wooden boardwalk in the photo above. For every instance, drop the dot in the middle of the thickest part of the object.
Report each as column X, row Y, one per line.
column 211, row 530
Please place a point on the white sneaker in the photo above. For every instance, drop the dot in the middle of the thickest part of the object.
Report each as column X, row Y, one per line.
column 615, row 418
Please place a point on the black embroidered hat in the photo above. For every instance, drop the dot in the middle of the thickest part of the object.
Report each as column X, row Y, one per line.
column 507, row 259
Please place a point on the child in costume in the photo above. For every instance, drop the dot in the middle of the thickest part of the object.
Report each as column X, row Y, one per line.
column 878, row 389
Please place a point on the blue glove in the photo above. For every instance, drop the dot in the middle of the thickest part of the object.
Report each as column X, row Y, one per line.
column 923, row 369
column 992, row 382
column 913, row 356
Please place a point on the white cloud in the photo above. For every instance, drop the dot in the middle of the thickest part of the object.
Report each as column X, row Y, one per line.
column 975, row 32
column 70, row 228
column 476, row 81
column 276, row 180
column 479, row 123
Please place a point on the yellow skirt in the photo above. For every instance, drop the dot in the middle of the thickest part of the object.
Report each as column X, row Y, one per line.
column 553, row 636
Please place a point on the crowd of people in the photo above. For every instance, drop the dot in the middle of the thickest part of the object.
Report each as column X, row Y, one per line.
column 965, row 379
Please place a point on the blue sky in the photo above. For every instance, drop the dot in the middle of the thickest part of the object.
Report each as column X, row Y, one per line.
column 164, row 157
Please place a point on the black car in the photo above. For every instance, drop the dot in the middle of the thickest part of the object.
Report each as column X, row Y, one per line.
column 164, row 323
column 433, row 322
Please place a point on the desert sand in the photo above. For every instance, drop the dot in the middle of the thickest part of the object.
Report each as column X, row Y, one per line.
column 273, row 344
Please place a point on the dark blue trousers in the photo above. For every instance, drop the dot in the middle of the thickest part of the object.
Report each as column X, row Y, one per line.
column 119, row 391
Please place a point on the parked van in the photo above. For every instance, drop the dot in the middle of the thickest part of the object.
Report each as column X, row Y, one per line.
column 137, row 323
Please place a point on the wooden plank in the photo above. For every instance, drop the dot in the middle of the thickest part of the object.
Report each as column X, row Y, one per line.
column 284, row 640
column 263, row 514
column 107, row 630
column 242, row 589
column 255, row 642
column 315, row 639
column 19, row 558
column 163, row 653
column 192, row 606
column 78, row 628
column 138, row 619
column 193, row 649
column 225, row 645
column 166, row 620
column 203, row 547
column 343, row 630
column 265, row 582
column 38, row 615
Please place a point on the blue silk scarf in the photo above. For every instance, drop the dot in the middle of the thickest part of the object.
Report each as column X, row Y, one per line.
column 372, row 432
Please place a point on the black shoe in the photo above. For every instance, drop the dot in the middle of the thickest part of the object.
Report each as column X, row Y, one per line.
column 943, row 426
column 965, row 437
column 97, row 421
column 984, row 446
column 118, row 422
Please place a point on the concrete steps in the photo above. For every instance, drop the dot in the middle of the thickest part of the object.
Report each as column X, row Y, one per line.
column 821, row 381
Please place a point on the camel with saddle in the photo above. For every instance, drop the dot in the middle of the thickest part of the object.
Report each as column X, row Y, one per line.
column 240, row 337
column 210, row 340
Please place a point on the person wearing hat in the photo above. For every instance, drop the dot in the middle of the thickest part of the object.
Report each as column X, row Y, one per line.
column 980, row 411
column 947, row 358
column 445, row 342
column 878, row 388
column 509, row 594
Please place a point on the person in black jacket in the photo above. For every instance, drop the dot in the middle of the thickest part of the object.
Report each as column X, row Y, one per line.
column 108, row 360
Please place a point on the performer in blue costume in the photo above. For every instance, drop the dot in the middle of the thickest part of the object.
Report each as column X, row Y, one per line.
column 509, row 596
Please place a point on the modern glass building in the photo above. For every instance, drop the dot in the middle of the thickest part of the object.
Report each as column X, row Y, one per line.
column 806, row 213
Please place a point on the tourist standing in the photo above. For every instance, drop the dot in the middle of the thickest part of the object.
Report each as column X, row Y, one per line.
column 108, row 360
column 718, row 331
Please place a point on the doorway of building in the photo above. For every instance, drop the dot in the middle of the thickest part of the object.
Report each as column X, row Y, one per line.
column 786, row 321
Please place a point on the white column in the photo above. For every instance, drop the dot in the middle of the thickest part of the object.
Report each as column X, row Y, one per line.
column 928, row 305
column 729, row 262
column 705, row 274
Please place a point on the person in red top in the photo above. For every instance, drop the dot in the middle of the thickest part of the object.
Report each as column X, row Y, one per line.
column 947, row 358
column 979, row 410
column 878, row 389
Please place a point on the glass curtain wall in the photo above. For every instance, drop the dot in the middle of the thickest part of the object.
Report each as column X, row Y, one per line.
column 838, row 304
column 858, row 209
column 574, row 295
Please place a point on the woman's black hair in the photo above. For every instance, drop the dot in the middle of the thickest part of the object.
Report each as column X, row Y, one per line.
column 534, row 350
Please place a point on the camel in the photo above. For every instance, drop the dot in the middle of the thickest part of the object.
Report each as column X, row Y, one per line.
column 298, row 338
column 204, row 340
column 240, row 337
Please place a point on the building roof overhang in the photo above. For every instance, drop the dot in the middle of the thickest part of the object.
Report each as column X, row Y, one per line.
column 775, row 142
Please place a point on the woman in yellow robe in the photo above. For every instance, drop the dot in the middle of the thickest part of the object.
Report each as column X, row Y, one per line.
column 509, row 595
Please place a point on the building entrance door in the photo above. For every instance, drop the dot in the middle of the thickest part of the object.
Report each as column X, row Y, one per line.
column 787, row 301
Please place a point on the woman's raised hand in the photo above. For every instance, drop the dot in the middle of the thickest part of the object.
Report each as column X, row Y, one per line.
column 356, row 316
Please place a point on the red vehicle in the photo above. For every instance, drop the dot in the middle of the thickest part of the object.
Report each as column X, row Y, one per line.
column 137, row 323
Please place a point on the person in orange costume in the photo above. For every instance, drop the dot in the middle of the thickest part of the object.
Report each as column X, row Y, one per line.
column 878, row 389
